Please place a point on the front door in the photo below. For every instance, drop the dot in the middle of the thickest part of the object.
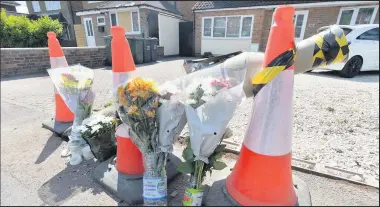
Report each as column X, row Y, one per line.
column 89, row 29
column 186, row 45
column 299, row 20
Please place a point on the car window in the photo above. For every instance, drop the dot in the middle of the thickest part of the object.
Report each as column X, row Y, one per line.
column 346, row 31
column 372, row 34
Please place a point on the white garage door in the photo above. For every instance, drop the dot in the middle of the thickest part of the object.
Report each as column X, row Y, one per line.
column 168, row 31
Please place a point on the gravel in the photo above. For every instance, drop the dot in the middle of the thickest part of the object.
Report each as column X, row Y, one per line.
column 335, row 121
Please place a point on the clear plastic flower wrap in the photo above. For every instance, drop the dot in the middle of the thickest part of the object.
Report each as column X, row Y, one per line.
column 74, row 84
column 210, row 97
column 154, row 116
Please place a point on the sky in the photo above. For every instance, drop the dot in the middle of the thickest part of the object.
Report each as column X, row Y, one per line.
column 22, row 8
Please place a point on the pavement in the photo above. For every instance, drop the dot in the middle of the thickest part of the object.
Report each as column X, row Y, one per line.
column 33, row 173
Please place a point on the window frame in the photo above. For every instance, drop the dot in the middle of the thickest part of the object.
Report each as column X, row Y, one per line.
column 54, row 9
column 100, row 17
column 303, row 28
column 356, row 12
column 226, row 16
column 138, row 20
column 39, row 6
column 117, row 19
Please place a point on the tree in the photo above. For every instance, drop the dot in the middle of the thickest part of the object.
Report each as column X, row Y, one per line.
column 19, row 31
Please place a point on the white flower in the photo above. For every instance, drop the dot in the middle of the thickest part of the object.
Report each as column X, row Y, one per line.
column 190, row 101
column 95, row 128
column 82, row 128
column 192, row 87
column 168, row 88
column 107, row 120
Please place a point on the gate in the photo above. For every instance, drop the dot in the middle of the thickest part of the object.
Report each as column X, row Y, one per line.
column 186, row 39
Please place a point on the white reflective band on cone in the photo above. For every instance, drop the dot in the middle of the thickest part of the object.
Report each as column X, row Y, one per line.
column 57, row 62
column 119, row 79
column 270, row 129
column 122, row 131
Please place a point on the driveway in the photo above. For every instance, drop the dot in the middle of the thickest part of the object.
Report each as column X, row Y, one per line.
column 335, row 122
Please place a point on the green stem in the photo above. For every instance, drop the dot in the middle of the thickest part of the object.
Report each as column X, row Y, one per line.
column 200, row 173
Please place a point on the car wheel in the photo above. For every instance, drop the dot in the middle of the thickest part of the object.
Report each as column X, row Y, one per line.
column 352, row 67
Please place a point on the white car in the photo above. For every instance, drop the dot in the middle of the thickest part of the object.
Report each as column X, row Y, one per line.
column 364, row 50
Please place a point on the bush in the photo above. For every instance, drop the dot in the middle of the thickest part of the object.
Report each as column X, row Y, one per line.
column 19, row 31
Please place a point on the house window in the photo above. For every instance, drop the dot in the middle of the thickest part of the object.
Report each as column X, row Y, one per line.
column 364, row 15
column 345, row 17
column 36, row 6
column 233, row 26
column 299, row 22
column 113, row 19
column 246, row 29
column 372, row 34
column 135, row 22
column 207, row 23
column 227, row 27
column 219, row 29
column 357, row 15
column 100, row 20
column 52, row 5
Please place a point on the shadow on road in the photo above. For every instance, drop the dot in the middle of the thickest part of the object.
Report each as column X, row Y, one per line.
column 367, row 77
column 68, row 183
column 17, row 77
column 166, row 59
column 51, row 145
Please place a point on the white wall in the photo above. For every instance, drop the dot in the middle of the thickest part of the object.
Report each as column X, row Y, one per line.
column 168, row 31
column 225, row 46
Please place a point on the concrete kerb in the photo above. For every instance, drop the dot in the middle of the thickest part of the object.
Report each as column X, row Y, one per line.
column 214, row 198
column 128, row 188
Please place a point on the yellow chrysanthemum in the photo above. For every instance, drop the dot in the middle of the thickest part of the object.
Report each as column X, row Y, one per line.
column 122, row 99
column 138, row 84
column 150, row 113
column 68, row 82
column 88, row 83
column 133, row 110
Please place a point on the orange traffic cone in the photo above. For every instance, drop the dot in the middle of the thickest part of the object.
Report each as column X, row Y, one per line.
column 63, row 116
column 128, row 157
column 262, row 175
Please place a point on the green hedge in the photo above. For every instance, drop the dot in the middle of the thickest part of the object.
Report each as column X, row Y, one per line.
column 19, row 31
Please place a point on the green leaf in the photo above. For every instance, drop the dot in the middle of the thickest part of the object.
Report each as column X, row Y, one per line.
column 218, row 155
column 217, row 165
column 185, row 168
column 187, row 154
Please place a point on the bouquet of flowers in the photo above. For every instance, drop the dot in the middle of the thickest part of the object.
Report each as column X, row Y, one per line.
column 98, row 131
column 210, row 98
column 143, row 108
column 74, row 84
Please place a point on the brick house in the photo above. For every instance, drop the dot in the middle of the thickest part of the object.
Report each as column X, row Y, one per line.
column 63, row 11
column 223, row 27
column 158, row 19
